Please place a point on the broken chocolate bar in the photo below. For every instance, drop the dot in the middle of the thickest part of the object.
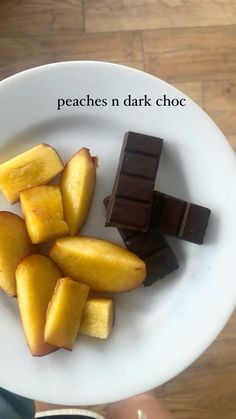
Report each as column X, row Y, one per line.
column 178, row 218
column 152, row 247
column 132, row 193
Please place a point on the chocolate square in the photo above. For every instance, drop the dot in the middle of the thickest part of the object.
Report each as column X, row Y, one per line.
column 194, row 223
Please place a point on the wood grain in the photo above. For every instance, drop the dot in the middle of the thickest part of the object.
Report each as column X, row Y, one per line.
column 18, row 54
column 220, row 103
column 40, row 17
column 115, row 47
column 191, row 54
column 117, row 15
column 24, row 52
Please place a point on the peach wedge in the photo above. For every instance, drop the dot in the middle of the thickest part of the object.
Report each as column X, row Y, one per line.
column 43, row 211
column 65, row 312
column 36, row 166
column 77, row 186
column 14, row 245
column 102, row 265
column 36, row 278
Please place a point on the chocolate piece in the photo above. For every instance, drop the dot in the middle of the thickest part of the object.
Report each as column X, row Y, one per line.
column 179, row 218
column 159, row 264
column 131, row 199
column 194, row 223
column 131, row 187
column 152, row 247
column 125, row 211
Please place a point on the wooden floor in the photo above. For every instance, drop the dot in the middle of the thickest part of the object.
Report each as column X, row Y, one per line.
column 190, row 43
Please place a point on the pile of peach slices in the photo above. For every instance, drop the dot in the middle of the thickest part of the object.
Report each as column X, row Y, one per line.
column 54, row 291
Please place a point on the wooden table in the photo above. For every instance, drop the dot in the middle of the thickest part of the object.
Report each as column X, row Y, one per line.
column 190, row 43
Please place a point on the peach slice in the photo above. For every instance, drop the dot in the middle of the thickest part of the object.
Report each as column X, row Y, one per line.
column 65, row 312
column 14, row 245
column 77, row 186
column 43, row 211
column 36, row 166
column 36, row 278
column 102, row 265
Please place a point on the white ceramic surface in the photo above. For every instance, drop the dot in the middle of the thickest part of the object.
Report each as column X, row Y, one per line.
column 159, row 330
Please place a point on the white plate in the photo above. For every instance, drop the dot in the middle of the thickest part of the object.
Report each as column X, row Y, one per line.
column 159, row 330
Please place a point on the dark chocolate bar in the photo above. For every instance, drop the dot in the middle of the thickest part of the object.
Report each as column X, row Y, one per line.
column 152, row 247
column 132, row 193
column 178, row 218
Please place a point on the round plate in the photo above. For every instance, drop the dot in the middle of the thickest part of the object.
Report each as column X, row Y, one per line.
column 159, row 330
